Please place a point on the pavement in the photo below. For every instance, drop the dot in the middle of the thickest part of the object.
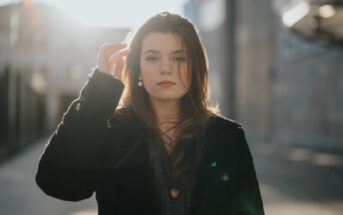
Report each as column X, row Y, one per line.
column 293, row 181
column 299, row 181
column 20, row 195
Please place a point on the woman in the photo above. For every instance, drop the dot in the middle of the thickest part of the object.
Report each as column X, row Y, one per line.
column 160, row 150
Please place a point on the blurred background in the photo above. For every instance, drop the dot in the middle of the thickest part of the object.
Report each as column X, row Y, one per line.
column 276, row 66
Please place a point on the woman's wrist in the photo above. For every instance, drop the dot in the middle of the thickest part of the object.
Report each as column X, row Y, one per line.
column 112, row 75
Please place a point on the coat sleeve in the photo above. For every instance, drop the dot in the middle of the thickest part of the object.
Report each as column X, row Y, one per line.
column 70, row 163
column 247, row 197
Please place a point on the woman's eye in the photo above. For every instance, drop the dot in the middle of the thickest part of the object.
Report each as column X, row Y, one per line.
column 180, row 59
column 151, row 58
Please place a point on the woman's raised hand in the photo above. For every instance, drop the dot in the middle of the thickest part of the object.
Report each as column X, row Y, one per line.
column 110, row 59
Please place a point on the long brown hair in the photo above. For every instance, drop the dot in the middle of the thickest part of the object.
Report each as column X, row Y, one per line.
column 196, row 110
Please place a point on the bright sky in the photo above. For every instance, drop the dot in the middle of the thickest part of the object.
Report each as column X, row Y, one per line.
column 113, row 13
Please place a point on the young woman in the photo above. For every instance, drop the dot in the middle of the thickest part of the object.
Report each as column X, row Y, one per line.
column 155, row 147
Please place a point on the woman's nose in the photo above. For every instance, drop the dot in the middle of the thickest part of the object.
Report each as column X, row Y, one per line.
column 165, row 66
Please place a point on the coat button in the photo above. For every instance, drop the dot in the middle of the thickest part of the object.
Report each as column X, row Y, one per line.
column 78, row 106
column 174, row 193
column 108, row 122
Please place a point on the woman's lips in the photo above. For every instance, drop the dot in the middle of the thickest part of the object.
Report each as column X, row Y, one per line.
column 166, row 83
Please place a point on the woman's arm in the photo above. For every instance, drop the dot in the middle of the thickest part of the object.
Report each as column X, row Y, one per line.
column 247, row 197
column 70, row 163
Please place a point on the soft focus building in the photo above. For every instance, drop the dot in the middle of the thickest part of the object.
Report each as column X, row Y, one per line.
column 276, row 66
column 45, row 59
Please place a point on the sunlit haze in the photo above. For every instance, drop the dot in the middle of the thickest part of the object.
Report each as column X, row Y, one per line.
column 112, row 13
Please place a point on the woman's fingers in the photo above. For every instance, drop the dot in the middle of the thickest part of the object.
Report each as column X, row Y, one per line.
column 104, row 55
column 118, row 69
column 118, row 55
column 108, row 47
column 117, row 63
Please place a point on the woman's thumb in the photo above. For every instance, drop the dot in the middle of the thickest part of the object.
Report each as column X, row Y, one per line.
column 118, row 69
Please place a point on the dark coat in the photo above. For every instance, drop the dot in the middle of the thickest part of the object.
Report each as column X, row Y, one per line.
column 80, row 155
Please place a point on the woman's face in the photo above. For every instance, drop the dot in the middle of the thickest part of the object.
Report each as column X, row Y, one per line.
column 164, row 66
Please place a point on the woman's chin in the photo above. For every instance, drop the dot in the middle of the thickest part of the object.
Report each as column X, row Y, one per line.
column 165, row 98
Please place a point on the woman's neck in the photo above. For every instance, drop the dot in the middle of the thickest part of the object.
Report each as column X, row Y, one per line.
column 167, row 114
column 166, row 111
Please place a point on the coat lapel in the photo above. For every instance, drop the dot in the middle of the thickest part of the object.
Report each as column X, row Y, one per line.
column 135, row 172
column 137, row 176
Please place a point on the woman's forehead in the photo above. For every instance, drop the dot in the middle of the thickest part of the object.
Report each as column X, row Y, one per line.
column 162, row 42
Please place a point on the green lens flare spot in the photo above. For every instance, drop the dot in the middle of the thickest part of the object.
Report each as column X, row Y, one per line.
column 214, row 164
column 225, row 177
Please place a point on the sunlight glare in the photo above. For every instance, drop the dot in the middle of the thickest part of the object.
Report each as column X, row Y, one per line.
column 115, row 13
column 294, row 14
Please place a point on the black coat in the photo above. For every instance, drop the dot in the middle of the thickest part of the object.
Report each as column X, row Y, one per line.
column 80, row 155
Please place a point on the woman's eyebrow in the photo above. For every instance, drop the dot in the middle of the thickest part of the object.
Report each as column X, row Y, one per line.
column 179, row 51
column 150, row 50
column 174, row 52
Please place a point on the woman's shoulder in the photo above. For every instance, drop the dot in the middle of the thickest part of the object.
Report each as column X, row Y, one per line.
column 218, row 122
column 124, row 118
column 224, row 130
column 223, row 127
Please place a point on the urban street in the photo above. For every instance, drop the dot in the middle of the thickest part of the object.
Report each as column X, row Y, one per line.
column 293, row 181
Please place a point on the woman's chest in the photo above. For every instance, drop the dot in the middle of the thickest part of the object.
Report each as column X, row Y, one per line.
column 134, row 181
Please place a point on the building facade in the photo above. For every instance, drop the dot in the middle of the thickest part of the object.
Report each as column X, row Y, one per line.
column 45, row 59
column 283, row 88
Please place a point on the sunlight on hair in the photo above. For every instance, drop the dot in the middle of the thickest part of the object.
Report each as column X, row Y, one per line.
column 85, row 212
